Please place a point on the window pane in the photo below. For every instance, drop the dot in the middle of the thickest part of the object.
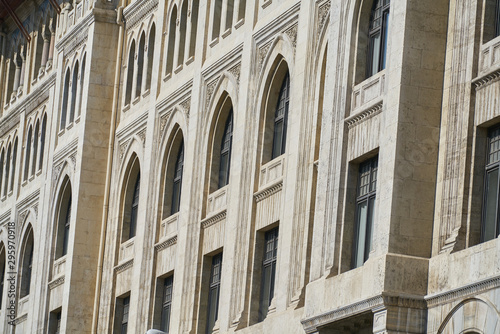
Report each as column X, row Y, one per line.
column 369, row 227
column 266, row 297
column 223, row 171
column 491, row 201
column 176, row 197
column 384, row 46
column 361, row 234
column 277, row 141
column 375, row 53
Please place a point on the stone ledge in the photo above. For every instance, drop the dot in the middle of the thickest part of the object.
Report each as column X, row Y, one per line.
column 462, row 292
column 165, row 244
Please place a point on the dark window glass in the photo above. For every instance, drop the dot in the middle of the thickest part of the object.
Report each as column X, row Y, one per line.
column 365, row 206
column 58, row 322
column 66, row 228
column 490, row 227
column 27, row 267
column 126, row 304
column 225, row 151
column 166, row 304
column 268, row 272
column 177, row 184
column 135, row 207
column 377, row 47
column 213, row 293
column 2, row 277
column 280, row 118
column 497, row 18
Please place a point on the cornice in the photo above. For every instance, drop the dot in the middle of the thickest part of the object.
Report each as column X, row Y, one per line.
column 486, row 79
column 463, row 292
column 56, row 282
column 165, row 244
column 228, row 61
column 76, row 35
column 268, row 191
column 65, row 151
column 132, row 127
column 274, row 27
column 28, row 201
column 124, row 266
column 137, row 10
column 212, row 220
column 364, row 115
column 178, row 96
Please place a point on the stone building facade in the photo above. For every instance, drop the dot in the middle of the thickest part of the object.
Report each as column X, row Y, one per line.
column 250, row 166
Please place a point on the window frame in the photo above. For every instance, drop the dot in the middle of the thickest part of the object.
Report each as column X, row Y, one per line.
column 369, row 198
column 488, row 168
column 177, row 180
column 281, row 117
column 271, row 239
column 225, row 151
column 214, row 291
column 382, row 30
column 166, row 305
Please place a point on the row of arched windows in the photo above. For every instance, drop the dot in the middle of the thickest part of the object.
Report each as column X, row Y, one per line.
column 8, row 165
column 140, row 66
column 181, row 37
column 34, row 148
column 72, row 93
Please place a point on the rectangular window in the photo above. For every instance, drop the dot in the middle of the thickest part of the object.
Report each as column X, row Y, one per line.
column 55, row 322
column 365, row 209
column 213, row 292
column 166, row 303
column 121, row 315
column 490, row 225
column 268, row 272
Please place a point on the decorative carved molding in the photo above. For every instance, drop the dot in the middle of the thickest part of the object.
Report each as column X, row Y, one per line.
column 124, row 266
column 292, row 34
column 374, row 303
column 123, row 148
column 142, row 134
column 269, row 191
column 473, row 289
column 263, row 50
column 20, row 319
column 323, row 12
column 163, row 121
column 210, row 92
column 486, row 80
column 56, row 172
column 165, row 244
column 207, row 222
column 137, row 11
column 56, row 282
column 77, row 36
column 186, row 105
column 72, row 157
column 236, row 71
column 364, row 115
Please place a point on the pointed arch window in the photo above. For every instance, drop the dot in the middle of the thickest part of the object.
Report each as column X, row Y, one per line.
column 27, row 155
column 140, row 65
column 281, row 118
column 42, row 141
column 131, row 201
column 64, row 105
column 64, row 221
column 377, row 35
column 35, row 148
column 7, row 170
column 182, row 32
column 2, row 273
column 151, row 48
column 27, row 265
column 177, row 182
column 225, row 151
column 13, row 167
column 130, row 74
column 171, row 41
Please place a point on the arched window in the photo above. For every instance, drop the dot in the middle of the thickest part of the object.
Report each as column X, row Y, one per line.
column 2, row 159
column 151, row 52
column 171, row 41
column 63, row 220
column 194, row 27
column 140, row 65
column 80, row 94
column 42, row 141
column 74, row 87
column 225, row 151
column 217, row 18
column 64, row 105
column 130, row 74
column 27, row 155
column 26, row 265
column 182, row 32
column 241, row 9
column 39, row 49
column 2, row 273
column 13, row 167
column 7, row 170
column 377, row 35
column 10, row 80
column 229, row 14
column 177, row 182
column 131, row 202
column 281, row 118
column 35, row 148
